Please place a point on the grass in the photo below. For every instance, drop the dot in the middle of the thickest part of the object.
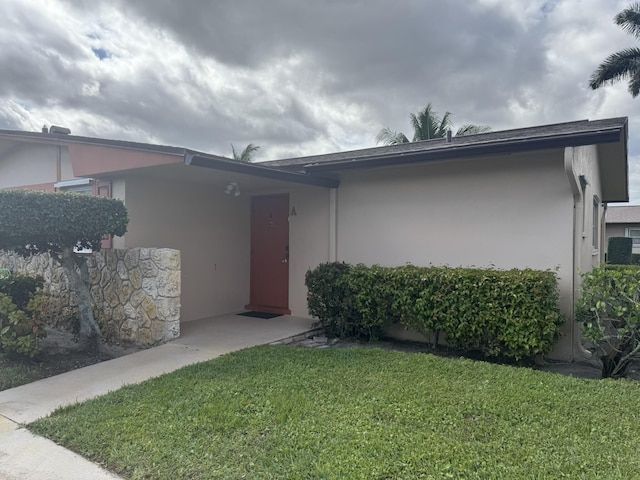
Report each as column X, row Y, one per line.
column 294, row 413
column 14, row 373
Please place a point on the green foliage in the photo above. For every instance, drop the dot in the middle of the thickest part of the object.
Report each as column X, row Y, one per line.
column 427, row 125
column 355, row 413
column 635, row 259
column 328, row 298
column 609, row 308
column 34, row 222
column 511, row 314
column 246, row 155
column 19, row 331
column 20, row 288
column 619, row 250
column 624, row 64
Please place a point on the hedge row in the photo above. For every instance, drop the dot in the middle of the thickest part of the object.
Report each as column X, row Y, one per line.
column 512, row 314
column 619, row 250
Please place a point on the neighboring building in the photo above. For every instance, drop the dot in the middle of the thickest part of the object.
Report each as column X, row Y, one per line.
column 531, row 197
column 624, row 221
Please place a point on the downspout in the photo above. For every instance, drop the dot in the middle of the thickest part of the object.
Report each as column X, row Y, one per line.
column 333, row 224
column 578, row 213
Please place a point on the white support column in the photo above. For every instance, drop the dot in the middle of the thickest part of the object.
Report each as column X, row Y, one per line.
column 333, row 224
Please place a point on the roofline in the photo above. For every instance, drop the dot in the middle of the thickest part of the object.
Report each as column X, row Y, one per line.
column 220, row 163
column 64, row 139
column 450, row 151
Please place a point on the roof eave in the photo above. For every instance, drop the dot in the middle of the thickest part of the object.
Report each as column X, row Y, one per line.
column 227, row 165
column 450, row 152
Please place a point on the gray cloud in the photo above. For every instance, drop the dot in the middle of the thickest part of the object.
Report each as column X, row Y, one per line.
column 299, row 78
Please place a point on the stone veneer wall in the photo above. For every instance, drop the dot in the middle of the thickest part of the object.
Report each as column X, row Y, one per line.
column 136, row 292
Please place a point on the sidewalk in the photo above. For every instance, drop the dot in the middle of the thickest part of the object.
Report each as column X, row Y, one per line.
column 26, row 456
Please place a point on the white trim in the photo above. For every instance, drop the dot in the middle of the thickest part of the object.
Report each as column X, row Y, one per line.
column 74, row 183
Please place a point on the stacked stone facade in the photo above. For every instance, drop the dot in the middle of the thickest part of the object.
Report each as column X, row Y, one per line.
column 136, row 292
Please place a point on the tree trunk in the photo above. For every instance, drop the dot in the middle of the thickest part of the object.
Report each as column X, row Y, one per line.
column 77, row 272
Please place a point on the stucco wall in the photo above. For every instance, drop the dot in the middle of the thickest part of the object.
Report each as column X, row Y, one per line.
column 586, row 163
column 508, row 212
column 210, row 229
column 32, row 164
column 308, row 239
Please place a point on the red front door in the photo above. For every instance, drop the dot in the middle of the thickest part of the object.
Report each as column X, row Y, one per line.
column 270, row 254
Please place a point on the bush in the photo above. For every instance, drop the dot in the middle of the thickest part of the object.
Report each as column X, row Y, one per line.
column 619, row 250
column 19, row 331
column 511, row 314
column 609, row 308
column 635, row 259
column 328, row 298
column 22, row 310
column 21, row 288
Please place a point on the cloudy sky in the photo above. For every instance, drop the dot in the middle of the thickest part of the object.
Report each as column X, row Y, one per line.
column 304, row 77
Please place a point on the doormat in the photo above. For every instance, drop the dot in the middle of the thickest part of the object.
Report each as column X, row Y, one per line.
column 260, row 314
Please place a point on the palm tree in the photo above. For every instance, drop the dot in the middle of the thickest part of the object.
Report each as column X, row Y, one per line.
column 245, row 156
column 625, row 63
column 427, row 124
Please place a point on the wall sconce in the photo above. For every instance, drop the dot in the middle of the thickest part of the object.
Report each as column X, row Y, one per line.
column 232, row 188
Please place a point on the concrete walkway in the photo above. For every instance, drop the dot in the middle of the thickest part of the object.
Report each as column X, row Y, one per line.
column 26, row 456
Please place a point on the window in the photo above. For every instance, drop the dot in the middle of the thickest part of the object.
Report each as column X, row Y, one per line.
column 82, row 185
column 634, row 233
column 596, row 222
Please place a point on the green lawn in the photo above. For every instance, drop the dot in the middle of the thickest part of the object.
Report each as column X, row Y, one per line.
column 283, row 412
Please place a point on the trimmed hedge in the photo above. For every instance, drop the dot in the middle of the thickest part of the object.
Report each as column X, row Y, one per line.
column 619, row 250
column 512, row 314
column 34, row 222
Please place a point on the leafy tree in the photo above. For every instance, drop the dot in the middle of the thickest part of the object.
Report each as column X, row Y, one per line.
column 246, row 154
column 427, row 124
column 57, row 223
column 625, row 63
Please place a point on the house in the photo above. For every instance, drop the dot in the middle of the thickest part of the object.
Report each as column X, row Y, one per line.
column 624, row 221
column 529, row 197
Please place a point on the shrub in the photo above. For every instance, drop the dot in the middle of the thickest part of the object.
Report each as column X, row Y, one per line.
column 19, row 332
column 350, row 301
column 20, row 288
column 609, row 308
column 635, row 259
column 619, row 250
column 328, row 298
column 510, row 314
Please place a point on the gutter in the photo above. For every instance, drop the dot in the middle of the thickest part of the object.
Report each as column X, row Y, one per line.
column 256, row 170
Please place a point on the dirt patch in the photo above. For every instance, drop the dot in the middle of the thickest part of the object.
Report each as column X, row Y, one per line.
column 59, row 354
column 584, row 369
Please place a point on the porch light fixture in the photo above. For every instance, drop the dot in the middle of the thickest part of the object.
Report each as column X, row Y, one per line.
column 232, row 188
